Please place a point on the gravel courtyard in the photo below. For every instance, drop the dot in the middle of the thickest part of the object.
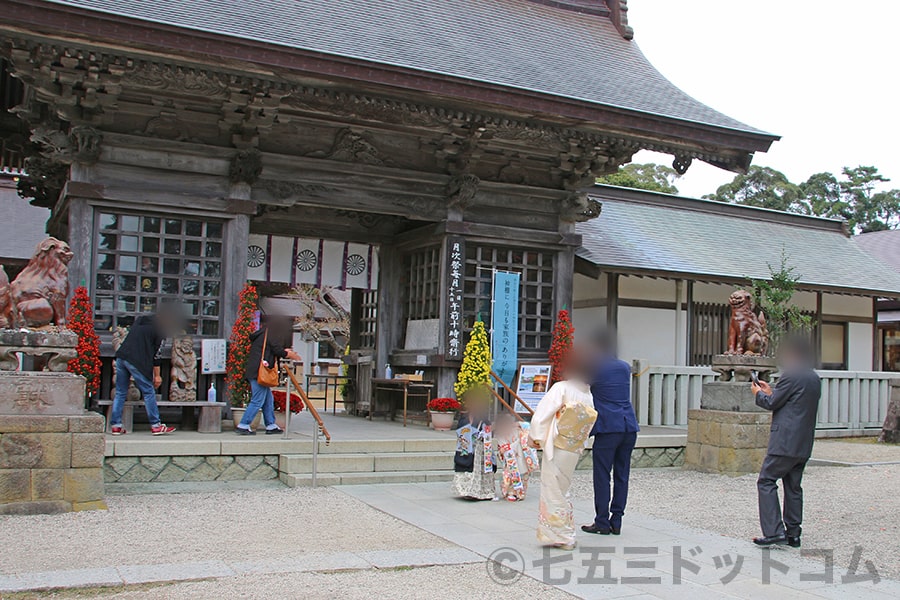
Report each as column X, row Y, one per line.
column 845, row 507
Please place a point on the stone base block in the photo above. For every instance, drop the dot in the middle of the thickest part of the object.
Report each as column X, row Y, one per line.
column 51, row 463
column 735, row 397
column 731, row 443
column 41, row 393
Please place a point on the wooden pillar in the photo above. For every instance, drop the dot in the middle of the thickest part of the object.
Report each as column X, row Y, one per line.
column 612, row 300
column 81, row 241
column 876, row 342
column 355, row 316
column 818, row 332
column 390, row 313
column 689, row 324
column 679, row 324
column 237, row 234
column 565, row 278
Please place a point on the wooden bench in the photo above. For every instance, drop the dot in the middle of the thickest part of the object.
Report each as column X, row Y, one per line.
column 210, row 414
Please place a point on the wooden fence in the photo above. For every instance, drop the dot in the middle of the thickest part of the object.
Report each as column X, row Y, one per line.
column 851, row 400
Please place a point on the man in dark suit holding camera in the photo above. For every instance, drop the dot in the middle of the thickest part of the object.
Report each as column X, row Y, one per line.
column 794, row 404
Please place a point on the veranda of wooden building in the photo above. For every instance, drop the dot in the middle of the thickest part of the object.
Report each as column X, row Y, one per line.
column 178, row 130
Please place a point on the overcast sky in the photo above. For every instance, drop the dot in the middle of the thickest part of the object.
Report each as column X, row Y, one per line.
column 823, row 74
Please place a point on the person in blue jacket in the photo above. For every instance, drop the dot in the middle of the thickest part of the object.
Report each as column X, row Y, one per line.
column 615, row 434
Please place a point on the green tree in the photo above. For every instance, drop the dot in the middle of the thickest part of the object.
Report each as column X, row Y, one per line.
column 773, row 297
column 854, row 198
column 763, row 187
column 648, row 176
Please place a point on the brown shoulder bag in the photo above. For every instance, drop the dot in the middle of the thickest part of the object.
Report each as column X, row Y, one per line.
column 267, row 376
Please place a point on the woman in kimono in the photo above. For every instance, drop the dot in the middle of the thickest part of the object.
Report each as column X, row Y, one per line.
column 560, row 426
column 473, row 462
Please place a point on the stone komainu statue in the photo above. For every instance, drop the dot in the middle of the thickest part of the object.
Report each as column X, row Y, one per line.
column 747, row 331
column 184, row 370
column 5, row 301
column 38, row 295
column 118, row 336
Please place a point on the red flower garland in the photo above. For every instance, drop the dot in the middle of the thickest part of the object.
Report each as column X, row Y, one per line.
column 561, row 346
column 81, row 321
column 280, row 396
column 239, row 346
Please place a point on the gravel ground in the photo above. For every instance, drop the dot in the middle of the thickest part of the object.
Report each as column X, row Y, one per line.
column 861, row 450
column 844, row 506
column 463, row 581
column 245, row 525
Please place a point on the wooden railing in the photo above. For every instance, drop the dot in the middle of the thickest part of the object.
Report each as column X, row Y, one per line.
column 309, row 405
column 854, row 399
column 851, row 400
column 662, row 395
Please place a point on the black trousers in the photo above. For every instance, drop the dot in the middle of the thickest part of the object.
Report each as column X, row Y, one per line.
column 612, row 460
column 772, row 519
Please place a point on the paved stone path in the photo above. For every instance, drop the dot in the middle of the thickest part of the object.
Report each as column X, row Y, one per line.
column 652, row 559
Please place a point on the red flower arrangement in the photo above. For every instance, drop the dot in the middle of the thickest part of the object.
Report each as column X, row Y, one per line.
column 280, row 397
column 561, row 346
column 81, row 322
column 239, row 347
column 443, row 405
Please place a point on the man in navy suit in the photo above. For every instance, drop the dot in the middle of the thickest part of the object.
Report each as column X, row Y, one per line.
column 615, row 434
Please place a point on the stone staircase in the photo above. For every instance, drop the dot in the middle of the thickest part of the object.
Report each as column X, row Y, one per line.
column 376, row 461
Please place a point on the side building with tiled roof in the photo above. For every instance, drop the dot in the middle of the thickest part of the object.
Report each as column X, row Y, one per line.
column 885, row 246
column 660, row 268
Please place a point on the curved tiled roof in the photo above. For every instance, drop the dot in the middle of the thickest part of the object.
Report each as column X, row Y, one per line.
column 519, row 44
column 701, row 239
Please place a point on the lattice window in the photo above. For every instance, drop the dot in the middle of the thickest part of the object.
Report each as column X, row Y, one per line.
column 423, row 271
column 535, row 290
column 141, row 259
column 709, row 331
column 368, row 319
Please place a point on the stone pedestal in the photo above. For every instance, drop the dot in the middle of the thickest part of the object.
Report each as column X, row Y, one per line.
column 890, row 431
column 51, row 449
column 728, row 434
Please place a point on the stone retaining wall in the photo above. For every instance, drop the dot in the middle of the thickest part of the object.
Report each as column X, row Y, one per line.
column 643, row 458
column 169, row 469
column 51, row 464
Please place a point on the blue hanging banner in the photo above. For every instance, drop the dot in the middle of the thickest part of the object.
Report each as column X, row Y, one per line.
column 505, row 325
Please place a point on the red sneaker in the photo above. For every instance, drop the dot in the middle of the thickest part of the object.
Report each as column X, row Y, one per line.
column 161, row 429
column 117, row 430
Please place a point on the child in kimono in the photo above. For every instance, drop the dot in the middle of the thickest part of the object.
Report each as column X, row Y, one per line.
column 474, row 462
column 517, row 459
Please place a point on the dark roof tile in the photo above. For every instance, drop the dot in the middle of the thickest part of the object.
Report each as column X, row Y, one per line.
column 514, row 43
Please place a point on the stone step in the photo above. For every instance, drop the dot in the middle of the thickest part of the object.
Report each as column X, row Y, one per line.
column 329, row 479
column 367, row 463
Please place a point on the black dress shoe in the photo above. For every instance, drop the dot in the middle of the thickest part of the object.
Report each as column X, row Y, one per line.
column 793, row 541
column 592, row 528
column 615, row 530
column 274, row 431
column 242, row 431
column 772, row 540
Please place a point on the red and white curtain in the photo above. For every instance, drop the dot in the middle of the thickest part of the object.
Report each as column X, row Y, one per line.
column 323, row 263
